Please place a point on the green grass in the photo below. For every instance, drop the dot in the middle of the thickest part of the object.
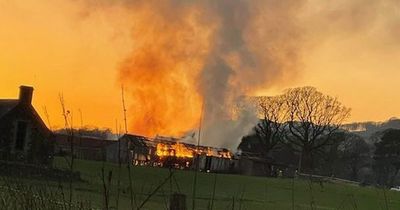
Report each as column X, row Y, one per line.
column 244, row 192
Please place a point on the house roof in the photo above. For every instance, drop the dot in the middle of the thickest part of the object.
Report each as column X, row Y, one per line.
column 6, row 105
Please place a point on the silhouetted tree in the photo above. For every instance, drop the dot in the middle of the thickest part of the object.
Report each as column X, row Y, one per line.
column 387, row 157
column 327, row 159
column 354, row 154
column 271, row 127
column 250, row 144
column 312, row 118
column 344, row 157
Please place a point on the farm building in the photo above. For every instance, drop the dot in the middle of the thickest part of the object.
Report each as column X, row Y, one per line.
column 215, row 164
column 253, row 164
column 84, row 147
column 167, row 152
column 252, row 160
column 130, row 147
column 23, row 134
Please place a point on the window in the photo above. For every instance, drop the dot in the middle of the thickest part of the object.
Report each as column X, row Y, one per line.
column 21, row 135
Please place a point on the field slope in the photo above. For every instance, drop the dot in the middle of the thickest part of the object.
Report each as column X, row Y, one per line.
column 231, row 191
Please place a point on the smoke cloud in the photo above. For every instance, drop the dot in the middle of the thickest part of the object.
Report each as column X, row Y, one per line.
column 174, row 57
column 192, row 54
column 253, row 45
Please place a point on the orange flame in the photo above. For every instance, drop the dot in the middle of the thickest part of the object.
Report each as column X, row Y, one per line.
column 178, row 150
column 161, row 73
column 218, row 153
column 181, row 151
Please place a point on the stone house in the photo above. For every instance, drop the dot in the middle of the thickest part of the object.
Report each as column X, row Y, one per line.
column 23, row 134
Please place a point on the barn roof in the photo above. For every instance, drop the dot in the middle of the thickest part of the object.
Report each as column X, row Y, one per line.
column 138, row 141
column 6, row 105
column 82, row 141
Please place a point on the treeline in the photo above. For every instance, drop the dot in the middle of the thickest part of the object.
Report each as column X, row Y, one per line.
column 101, row 133
column 301, row 129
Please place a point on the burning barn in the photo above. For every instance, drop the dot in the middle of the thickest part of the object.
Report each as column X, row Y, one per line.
column 168, row 152
column 130, row 148
column 173, row 152
column 216, row 159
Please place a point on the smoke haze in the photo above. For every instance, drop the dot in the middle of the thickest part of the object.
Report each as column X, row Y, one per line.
column 189, row 54
column 175, row 57
column 193, row 54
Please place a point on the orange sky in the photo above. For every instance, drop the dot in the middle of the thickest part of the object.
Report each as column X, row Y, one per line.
column 59, row 47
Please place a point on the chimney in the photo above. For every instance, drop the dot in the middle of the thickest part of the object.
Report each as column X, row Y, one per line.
column 25, row 95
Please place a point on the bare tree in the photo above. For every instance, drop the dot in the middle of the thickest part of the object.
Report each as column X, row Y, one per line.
column 312, row 118
column 67, row 115
column 46, row 114
column 271, row 127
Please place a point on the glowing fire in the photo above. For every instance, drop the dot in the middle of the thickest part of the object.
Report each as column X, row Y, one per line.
column 161, row 73
column 217, row 153
column 225, row 154
column 177, row 150
column 181, row 151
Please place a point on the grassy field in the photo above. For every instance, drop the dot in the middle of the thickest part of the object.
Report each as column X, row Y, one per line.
column 231, row 191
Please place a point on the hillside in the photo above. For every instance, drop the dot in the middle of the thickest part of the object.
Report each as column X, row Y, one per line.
column 368, row 129
column 241, row 192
